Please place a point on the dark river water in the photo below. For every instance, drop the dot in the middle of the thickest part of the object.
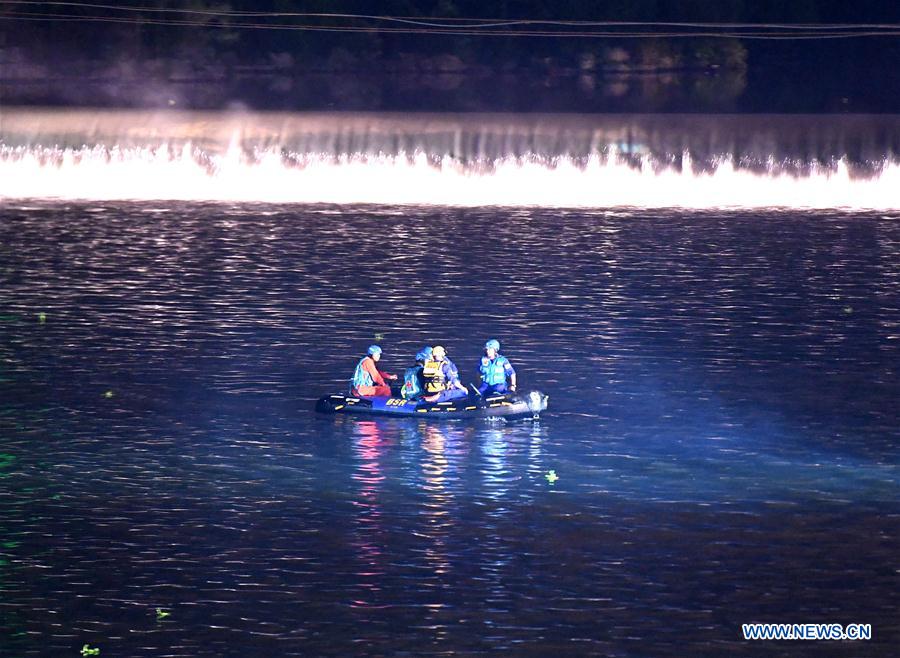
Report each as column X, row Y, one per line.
column 723, row 421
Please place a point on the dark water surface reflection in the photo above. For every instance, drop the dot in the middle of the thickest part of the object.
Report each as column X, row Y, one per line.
column 723, row 420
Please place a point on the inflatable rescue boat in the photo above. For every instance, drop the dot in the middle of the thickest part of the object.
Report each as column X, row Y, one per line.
column 509, row 405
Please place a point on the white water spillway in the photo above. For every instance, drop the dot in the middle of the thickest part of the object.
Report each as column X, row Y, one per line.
column 730, row 161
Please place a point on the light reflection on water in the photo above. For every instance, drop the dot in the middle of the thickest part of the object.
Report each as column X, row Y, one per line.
column 723, row 423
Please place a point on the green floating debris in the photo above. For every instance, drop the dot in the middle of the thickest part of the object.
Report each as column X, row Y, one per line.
column 6, row 461
column 108, row 394
column 551, row 477
column 42, row 317
column 379, row 338
column 162, row 614
column 87, row 650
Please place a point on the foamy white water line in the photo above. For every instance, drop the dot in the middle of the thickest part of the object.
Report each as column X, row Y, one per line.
column 159, row 173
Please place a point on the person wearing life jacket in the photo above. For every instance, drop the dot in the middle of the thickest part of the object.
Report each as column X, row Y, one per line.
column 495, row 369
column 442, row 378
column 368, row 380
column 413, row 378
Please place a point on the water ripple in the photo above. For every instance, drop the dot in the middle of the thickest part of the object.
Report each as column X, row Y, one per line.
column 723, row 426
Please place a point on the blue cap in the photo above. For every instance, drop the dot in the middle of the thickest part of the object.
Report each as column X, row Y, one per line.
column 492, row 344
column 374, row 349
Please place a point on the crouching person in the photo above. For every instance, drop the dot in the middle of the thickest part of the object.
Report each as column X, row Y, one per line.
column 368, row 380
column 414, row 377
column 442, row 378
column 495, row 369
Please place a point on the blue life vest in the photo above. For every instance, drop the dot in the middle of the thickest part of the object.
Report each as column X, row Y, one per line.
column 411, row 386
column 360, row 376
column 494, row 372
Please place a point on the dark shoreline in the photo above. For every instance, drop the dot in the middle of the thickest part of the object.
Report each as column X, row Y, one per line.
column 713, row 91
column 618, row 81
column 651, row 57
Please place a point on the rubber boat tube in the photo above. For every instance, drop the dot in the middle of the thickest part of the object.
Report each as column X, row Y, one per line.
column 510, row 405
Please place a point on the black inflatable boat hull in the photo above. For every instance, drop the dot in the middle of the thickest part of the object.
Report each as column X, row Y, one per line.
column 508, row 406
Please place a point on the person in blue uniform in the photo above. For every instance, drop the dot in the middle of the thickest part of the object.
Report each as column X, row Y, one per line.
column 413, row 378
column 495, row 369
column 442, row 378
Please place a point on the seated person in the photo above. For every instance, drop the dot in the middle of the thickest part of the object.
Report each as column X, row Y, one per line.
column 414, row 378
column 442, row 378
column 368, row 380
column 494, row 369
